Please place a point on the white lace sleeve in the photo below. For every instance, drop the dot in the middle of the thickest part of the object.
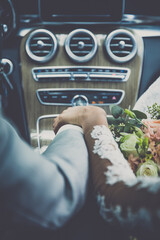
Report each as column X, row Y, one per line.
column 106, row 147
column 121, row 196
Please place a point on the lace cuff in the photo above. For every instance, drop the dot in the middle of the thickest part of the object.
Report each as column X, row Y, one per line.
column 106, row 148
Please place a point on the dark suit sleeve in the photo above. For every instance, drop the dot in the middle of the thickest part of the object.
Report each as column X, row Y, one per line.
column 43, row 189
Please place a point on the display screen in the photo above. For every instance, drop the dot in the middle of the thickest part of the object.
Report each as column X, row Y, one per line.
column 72, row 10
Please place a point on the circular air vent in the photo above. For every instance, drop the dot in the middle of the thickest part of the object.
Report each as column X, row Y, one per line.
column 41, row 45
column 121, row 46
column 81, row 45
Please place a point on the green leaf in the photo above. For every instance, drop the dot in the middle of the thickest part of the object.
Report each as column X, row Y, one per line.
column 130, row 113
column 140, row 114
column 128, row 128
column 112, row 120
column 138, row 132
column 116, row 111
column 145, row 143
column 132, row 122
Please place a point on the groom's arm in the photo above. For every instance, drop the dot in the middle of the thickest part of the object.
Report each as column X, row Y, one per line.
column 44, row 190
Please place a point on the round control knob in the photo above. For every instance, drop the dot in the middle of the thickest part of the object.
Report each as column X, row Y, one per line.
column 122, row 44
column 79, row 100
column 6, row 66
column 81, row 45
column 40, row 44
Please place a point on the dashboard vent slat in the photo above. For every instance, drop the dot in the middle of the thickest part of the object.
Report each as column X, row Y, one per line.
column 121, row 53
column 121, row 38
column 85, row 52
column 81, row 45
column 41, row 45
column 45, row 52
column 45, row 45
column 42, row 38
column 117, row 45
column 121, row 46
column 81, row 38
column 76, row 45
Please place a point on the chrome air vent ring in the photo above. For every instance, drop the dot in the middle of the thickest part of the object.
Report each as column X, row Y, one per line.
column 41, row 45
column 121, row 46
column 81, row 45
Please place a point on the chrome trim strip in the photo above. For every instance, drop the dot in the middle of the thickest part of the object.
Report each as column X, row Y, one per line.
column 106, row 76
column 79, row 75
column 42, row 75
column 73, row 74
column 81, row 67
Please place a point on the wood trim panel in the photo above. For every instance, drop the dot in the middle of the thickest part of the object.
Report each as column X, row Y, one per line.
column 34, row 109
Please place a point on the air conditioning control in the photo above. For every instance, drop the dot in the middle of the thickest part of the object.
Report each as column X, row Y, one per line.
column 81, row 74
column 74, row 96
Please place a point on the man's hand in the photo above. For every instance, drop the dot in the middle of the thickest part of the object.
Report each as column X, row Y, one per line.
column 83, row 116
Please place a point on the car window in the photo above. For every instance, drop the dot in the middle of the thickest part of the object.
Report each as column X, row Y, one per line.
column 142, row 7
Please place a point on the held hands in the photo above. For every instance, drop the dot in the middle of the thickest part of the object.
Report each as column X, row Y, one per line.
column 83, row 116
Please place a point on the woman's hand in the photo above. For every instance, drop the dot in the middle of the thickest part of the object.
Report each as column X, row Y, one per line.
column 83, row 116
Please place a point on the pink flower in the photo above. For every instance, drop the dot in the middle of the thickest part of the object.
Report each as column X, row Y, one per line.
column 152, row 129
column 134, row 162
column 155, row 150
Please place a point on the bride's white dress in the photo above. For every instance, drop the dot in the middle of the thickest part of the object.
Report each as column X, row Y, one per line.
column 124, row 199
column 148, row 98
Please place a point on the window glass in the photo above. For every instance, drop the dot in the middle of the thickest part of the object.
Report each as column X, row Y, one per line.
column 143, row 7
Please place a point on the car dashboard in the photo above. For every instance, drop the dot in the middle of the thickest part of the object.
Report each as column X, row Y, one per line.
column 73, row 59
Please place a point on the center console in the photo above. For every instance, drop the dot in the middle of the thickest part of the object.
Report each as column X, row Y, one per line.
column 75, row 65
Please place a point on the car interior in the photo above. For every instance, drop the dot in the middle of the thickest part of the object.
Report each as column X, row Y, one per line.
column 60, row 53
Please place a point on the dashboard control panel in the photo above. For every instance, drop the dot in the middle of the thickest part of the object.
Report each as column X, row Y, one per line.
column 106, row 74
column 66, row 96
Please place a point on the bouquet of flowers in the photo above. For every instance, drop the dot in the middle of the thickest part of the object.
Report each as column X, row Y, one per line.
column 138, row 138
